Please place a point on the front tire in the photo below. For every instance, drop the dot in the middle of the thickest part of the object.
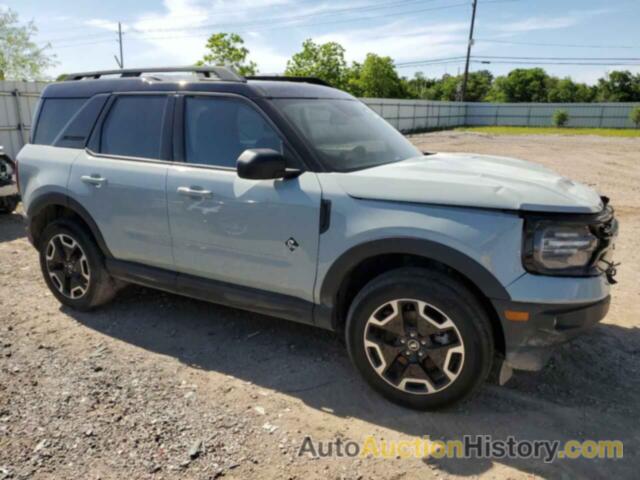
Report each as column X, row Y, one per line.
column 73, row 266
column 420, row 338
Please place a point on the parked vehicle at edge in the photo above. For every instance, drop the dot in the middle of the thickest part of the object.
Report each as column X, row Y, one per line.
column 9, row 197
column 293, row 199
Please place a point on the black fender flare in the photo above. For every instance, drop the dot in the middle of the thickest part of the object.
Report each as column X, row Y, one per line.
column 55, row 198
column 475, row 272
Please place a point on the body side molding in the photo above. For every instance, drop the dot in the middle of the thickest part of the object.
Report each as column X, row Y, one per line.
column 231, row 295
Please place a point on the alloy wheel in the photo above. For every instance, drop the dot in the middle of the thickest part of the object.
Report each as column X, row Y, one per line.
column 67, row 266
column 414, row 346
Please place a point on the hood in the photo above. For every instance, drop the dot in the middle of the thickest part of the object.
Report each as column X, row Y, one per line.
column 472, row 180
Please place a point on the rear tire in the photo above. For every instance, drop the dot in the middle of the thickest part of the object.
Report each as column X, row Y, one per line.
column 420, row 338
column 73, row 266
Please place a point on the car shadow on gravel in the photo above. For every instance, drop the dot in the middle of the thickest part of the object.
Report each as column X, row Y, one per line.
column 591, row 389
column 11, row 227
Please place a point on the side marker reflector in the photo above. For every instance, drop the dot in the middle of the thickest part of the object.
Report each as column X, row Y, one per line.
column 516, row 316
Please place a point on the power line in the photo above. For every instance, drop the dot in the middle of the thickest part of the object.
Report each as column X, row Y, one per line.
column 74, row 37
column 271, row 26
column 285, row 18
column 235, row 10
column 499, row 57
column 568, row 45
column 289, row 18
column 489, row 59
column 81, row 44
column 431, row 61
column 525, row 62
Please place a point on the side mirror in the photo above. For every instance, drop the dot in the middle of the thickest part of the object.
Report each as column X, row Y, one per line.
column 263, row 164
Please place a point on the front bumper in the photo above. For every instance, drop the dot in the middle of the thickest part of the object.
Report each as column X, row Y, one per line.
column 529, row 343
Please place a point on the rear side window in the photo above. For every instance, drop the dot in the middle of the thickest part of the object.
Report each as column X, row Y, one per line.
column 133, row 127
column 55, row 113
column 218, row 130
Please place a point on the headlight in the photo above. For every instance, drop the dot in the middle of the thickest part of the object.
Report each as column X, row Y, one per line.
column 558, row 248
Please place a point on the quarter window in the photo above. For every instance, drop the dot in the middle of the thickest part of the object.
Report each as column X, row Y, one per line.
column 133, row 127
column 55, row 113
column 218, row 130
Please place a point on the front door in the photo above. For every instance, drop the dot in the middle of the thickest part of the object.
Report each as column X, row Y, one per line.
column 261, row 234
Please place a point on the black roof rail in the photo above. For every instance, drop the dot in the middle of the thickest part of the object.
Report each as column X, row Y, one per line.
column 284, row 78
column 226, row 74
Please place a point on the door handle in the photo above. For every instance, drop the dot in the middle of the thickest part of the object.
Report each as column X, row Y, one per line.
column 195, row 192
column 95, row 179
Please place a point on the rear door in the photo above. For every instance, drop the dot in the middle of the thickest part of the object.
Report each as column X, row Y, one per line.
column 255, row 233
column 121, row 178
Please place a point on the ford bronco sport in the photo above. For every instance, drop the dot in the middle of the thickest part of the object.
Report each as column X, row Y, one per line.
column 289, row 198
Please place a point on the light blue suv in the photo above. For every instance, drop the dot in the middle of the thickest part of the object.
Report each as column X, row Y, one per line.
column 289, row 198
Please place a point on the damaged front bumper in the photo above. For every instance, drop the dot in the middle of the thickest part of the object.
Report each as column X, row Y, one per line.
column 529, row 343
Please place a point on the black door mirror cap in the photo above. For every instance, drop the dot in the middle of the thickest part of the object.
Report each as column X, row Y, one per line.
column 264, row 164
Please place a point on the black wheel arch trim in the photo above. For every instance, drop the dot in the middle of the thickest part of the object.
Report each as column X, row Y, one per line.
column 55, row 198
column 478, row 274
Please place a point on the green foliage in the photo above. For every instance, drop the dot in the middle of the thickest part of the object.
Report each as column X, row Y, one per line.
column 634, row 116
column 325, row 61
column 520, row 85
column 566, row 90
column 619, row 86
column 420, row 87
column 449, row 87
column 377, row 78
column 560, row 118
column 20, row 57
column 228, row 49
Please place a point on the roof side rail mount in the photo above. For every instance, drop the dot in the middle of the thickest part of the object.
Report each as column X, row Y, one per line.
column 226, row 74
column 285, row 78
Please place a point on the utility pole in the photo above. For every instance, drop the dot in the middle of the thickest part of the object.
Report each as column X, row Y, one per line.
column 469, row 45
column 120, row 61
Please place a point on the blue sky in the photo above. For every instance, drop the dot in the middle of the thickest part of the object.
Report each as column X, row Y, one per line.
column 174, row 32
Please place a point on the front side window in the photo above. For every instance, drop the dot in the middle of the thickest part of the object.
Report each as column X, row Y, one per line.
column 133, row 127
column 346, row 134
column 218, row 130
column 55, row 113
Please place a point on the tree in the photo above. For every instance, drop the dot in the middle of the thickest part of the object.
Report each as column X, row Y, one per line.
column 377, row 77
column 420, row 87
column 634, row 116
column 325, row 61
column 228, row 49
column 20, row 57
column 566, row 90
column 619, row 86
column 521, row 85
column 478, row 85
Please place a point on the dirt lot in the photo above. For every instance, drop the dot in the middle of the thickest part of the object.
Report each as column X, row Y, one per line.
column 159, row 386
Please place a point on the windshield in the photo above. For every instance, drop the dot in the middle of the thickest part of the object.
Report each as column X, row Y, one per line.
column 346, row 134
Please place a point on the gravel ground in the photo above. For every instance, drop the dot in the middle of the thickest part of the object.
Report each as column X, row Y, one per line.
column 159, row 386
